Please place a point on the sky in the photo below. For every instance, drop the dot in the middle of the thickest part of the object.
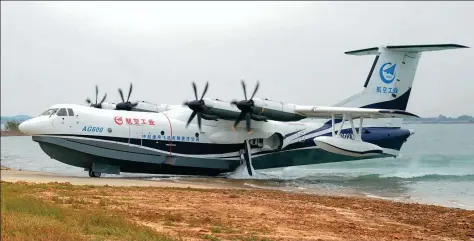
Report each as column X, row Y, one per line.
column 56, row 52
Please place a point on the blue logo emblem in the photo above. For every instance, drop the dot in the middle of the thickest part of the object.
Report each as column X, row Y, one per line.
column 387, row 72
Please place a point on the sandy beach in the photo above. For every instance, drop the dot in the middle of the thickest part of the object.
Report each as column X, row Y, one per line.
column 227, row 211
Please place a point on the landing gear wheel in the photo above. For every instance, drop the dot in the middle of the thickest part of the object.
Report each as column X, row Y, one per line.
column 94, row 174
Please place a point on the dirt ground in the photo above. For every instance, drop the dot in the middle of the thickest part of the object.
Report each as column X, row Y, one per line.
column 233, row 214
column 231, row 211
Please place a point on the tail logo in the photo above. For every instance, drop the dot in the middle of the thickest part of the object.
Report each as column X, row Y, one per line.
column 387, row 72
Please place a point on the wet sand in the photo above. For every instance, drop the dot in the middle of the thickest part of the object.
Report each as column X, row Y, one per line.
column 230, row 210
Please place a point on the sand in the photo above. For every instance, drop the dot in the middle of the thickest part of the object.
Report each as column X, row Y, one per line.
column 10, row 175
column 227, row 210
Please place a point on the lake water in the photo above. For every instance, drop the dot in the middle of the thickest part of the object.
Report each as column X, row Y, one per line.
column 435, row 166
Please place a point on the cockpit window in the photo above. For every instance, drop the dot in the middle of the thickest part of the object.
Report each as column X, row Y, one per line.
column 70, row 112
column 62, row 112
column 50, row 112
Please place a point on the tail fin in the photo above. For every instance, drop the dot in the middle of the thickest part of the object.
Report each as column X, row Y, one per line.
column 390, row 79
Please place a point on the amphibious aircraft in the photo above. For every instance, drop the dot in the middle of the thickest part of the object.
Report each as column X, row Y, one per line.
column 210, row 136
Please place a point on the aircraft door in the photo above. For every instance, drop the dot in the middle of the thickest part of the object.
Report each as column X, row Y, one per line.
column 300, row 133
column 71, row 121
column 301, row 136
column 135, row 134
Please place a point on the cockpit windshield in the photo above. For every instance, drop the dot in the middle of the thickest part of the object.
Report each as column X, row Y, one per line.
column 50, row 112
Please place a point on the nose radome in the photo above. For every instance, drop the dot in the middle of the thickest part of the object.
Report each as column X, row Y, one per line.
column 24, row 127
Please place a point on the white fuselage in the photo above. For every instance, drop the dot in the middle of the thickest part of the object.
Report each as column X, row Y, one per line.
column 149, row 142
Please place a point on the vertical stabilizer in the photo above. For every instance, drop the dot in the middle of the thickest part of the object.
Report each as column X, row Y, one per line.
column 391, row 75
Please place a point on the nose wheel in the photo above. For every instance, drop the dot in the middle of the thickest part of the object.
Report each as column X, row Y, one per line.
column 94, row 174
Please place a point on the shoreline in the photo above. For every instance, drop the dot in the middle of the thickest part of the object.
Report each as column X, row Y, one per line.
column 12, row 133
column 36, row 177
column 194, row 210
column 39, row 177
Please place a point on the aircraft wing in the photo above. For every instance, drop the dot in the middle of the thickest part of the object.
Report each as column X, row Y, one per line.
column 327, row 111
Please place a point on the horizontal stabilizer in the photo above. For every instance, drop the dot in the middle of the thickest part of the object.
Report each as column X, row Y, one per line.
column 327, row 112
column 407, row 48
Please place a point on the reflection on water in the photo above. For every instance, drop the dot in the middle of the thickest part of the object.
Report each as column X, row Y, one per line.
column 436, row 165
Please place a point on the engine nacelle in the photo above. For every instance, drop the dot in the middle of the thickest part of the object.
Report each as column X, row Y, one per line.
column 108, row 106
column 149, row 107
column 222, row 109
column 272, row 110
column 347, row 147
column 142, row 106
column 220, row 104
column 275, row 110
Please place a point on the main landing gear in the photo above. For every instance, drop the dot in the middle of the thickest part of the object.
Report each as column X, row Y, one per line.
column 94, row 174
column 96, row 169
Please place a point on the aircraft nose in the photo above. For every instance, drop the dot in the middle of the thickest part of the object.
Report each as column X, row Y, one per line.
column 25, row 127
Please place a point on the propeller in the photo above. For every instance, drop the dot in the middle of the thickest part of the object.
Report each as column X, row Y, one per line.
column 125, row 105
column 96, row 105
column 245, row 106
column 197, row 105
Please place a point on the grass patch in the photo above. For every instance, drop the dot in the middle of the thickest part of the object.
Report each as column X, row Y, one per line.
column 210, row 237
column 25, row 217
column 216, row 229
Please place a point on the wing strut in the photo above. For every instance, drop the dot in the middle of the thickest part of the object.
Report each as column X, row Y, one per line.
column 357, row 135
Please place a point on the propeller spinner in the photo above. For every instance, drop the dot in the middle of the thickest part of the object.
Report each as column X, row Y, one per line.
column 125, row 105
column 96, row 105
column 198, row 106
column 245, row 106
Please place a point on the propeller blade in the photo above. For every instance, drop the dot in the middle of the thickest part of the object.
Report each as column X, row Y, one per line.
column 245, row 90
column 88, row 101
column 247, row 119
column 103, row 99
column 129, row 92
column 239, row 118
column 199, row 120
column 96, row 93
column 205, row 90
column 255, row 91
column 121, row 94
column 195, row 90
column 191, row 118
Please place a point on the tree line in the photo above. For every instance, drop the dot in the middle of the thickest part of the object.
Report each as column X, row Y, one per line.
column 12, row 126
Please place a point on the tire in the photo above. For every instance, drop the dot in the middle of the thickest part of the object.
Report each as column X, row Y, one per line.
column 94, row 174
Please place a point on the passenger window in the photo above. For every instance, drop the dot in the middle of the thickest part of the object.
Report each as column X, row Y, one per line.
column 70, row 112
column 62, row 112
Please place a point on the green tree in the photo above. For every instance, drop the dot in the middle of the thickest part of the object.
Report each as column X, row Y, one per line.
column 12, row 126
